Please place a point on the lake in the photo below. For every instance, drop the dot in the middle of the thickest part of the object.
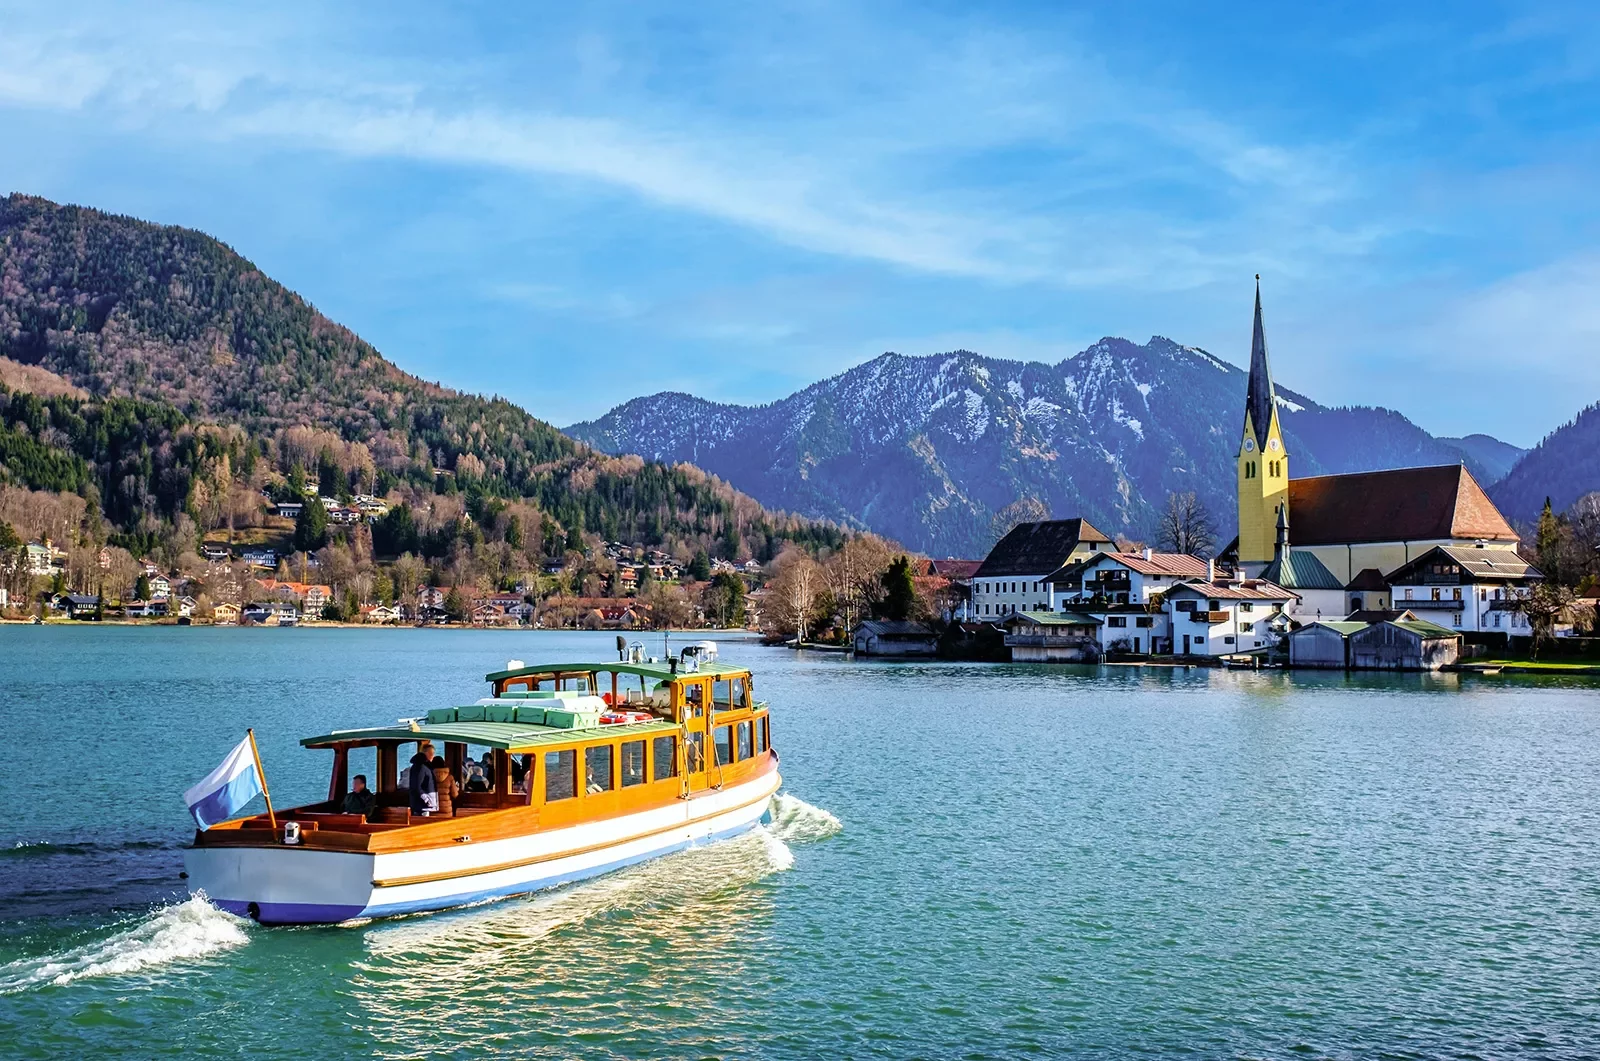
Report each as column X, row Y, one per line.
column 969, row 860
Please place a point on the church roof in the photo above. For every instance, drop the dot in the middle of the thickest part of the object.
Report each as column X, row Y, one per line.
column 1404, row 504
column 1299, row 569
column 1039, row 548
column 1260, row 399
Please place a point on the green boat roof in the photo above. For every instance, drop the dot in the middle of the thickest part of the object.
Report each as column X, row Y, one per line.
column 504, row 736
column 662, row 671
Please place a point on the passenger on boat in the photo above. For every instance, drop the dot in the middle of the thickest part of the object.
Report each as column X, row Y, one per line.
column 360, row 800
column 420, row 781
column 476, row 782
column 447, row 787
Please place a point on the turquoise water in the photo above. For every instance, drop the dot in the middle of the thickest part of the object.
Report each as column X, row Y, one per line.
column 1031, row 861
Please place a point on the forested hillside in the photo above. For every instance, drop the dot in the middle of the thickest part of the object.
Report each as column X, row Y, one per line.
column 1564, row 467
column 207, row 385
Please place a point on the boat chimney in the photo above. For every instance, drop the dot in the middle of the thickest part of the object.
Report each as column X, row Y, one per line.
column 622, row 648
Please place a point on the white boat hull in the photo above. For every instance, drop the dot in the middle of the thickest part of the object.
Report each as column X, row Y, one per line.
column 298, row 885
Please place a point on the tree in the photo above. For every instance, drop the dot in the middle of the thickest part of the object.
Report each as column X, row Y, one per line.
column 1545, row 604
column 1022, row 510
column 1186, row 526
column 141, row 587
column 395, row 532
column 725, row 600
column 700, row 566
column 311, row 526
column 792, row 594
column 899, row 590
column 855, row 575
column 455, row 606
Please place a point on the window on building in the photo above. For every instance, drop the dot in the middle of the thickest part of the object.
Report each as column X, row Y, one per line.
column 1215, row 605
column 1436, row 593
column 560, row 775
column 632, row 763
column 743, row 734
column 664, row 758
column 1408, row 593
column 1118, row 621
column 1246, row 606
column 1457, row 592
column 1186, row 605
column 724, row 745
column 1144, row 622
column 1227, row 641
column 597, row 769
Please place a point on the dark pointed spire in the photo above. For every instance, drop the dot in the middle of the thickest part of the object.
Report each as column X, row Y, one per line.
column 1261, row 398
column 1281, row 549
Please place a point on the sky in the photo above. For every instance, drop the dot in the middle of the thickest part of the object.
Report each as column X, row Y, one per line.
column 573, row 205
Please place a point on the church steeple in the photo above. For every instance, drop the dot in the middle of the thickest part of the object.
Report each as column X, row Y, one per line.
column 1261, row 401
column 1263, row 464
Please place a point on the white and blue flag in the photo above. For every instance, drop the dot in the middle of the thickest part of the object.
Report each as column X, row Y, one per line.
column 226, row 789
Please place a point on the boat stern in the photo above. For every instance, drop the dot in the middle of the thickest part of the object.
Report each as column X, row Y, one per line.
column 282, row 885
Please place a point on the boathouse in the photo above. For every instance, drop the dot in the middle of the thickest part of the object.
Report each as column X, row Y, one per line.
column 1404, row 644
column 1323, row 645
column 1053, row 637
column 888, row 637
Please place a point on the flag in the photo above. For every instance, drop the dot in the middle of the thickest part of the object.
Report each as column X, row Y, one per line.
column 226, row 789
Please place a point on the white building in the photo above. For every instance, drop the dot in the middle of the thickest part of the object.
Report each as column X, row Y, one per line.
column 1015, row 575
column 1123, row 578
column 1221, row 618
column 1466, row 589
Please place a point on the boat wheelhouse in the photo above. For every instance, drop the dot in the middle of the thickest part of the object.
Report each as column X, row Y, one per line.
column 589, row 767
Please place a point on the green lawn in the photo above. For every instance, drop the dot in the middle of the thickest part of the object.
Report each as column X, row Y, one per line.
column 1537, row 664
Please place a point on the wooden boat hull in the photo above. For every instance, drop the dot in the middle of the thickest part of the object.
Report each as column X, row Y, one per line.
column 280, row 884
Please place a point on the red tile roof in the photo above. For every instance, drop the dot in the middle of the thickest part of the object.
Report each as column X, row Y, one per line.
column 1162, row 564
column 1405, row 504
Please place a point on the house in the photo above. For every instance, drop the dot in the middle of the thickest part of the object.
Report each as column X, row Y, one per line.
column 160, row 587
column 887, row 637
column 1368, row 591
column 379, row 614
column 1123, row 578
column 1012, row 578
column 290, row 509
column 76, row 605
column 271, row 613
column 148, row 609
column 185, row 605
column 1135, row 628
column 1350, row 522
column 1324, row 644
column 1226, row 616
column 264, row 558
column 1470, row 589
column 39, row 558
column 1052, row 637
column 215, row 552
column 225, row 614
column 430, row 597
column 1404, row 644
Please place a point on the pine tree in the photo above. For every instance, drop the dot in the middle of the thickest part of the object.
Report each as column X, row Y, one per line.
column 700, row 566
column 899, row 590
column 311, row 526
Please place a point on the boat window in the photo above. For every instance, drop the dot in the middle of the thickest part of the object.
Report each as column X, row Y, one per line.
column 724, row 742
column 694, row 694
column 722, row 695
column 664, row 753
column 766, row 731
column 744, row 741
column 695, row 749
column 632, row 763
column 560, row 775
column 761, row 736
column 597, row 769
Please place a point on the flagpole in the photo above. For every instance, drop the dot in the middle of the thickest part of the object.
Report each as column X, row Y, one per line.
column 272, row 819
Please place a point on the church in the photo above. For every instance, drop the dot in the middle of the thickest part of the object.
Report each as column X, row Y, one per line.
column 1328, row 536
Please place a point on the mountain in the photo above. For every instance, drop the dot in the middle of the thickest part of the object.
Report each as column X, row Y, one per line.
column 1496, row 458
column 139, row 356
column 927, row 449
column 1563, row 467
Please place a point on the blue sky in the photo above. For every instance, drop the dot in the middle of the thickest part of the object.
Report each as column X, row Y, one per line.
column 573, row 207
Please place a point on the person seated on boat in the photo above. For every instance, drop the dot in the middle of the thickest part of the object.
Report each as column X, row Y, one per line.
column 517, row 770
column 360, row 799
column 476, row 782
column 446, row 786
column 419, row 781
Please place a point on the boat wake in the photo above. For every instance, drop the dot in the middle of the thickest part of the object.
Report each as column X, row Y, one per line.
column 795, row 819
column 186, row 931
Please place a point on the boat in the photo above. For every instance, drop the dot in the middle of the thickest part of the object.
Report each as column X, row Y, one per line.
column 594, row 766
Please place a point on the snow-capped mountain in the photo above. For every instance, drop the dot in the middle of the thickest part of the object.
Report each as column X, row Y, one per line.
column 926, row 449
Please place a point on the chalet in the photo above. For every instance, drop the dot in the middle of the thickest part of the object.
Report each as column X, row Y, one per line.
column 1052, row 637
column 185, row 605
column 1226, row 616
column 1471, row 589
column 148, row 567
column 887, row 637
column 40, row 558
column 1013, row 577
column 290, row 509
column 1122, row 578
column 1350, row 522
column 160, row 587
column 225, row 614
column 214, row 552
column 148, row 609
column 264, row 558
column 76, row 605
column 379, row 614
column 430, row 597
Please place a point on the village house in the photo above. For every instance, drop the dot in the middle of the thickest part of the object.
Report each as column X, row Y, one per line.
column 160, row 587
column 214, row 552
column 1013, row 577
column 225, row 614
column 76, row 605
column 380, row 614
column 888, row 637
column 289, row 509
column 1466, row 589
column 148, row 609
column 40, row 558
column 1122, row 578
column 1226, row 616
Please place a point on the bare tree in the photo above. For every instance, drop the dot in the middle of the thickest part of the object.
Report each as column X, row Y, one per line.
column 1022, row 510
column 792, row 593
column 1544, row 605
column 1186, row 526
column 854, row 574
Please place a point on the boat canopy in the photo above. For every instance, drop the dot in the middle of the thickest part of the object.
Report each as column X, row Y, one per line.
column 504, row 736
column 662, row 671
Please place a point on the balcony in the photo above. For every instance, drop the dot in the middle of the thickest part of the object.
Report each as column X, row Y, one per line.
column 1208, row 617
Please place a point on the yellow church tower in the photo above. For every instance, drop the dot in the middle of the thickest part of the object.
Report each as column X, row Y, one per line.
column 1263, row 464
